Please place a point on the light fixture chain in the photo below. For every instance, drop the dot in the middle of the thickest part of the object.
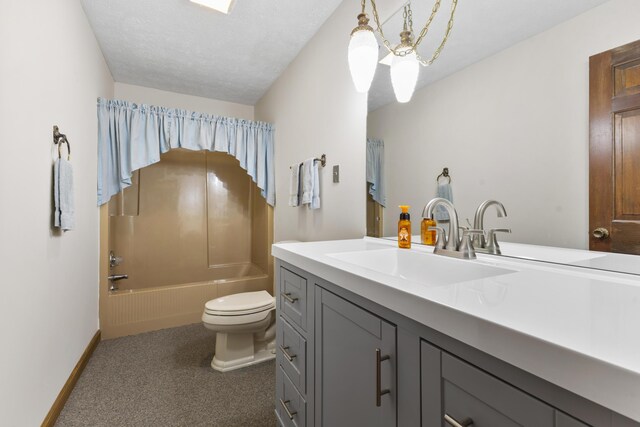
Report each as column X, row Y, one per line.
column 435, row 55
column 425, row 30
column 410, row 17
column 362, row 2
column 423, row 33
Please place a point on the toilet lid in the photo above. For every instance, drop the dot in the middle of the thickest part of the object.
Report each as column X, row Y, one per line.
column 245, row 302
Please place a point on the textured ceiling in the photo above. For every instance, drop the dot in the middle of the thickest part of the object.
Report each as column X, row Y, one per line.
column 182, row 47
column 481, row 28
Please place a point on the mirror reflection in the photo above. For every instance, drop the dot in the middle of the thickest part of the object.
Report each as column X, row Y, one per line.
column 518, row 110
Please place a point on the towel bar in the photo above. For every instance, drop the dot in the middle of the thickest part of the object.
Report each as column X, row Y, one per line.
column 322, row 160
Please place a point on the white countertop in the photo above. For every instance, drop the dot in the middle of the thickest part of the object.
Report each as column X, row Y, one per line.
column 574, row 327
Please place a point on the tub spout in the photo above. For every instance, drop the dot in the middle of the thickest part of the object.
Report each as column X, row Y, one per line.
column 114, row 278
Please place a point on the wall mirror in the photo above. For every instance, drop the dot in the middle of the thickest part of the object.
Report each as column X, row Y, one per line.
column 506, row 109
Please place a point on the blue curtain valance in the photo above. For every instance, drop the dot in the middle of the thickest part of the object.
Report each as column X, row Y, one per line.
column 132, row 136
column 375, row 169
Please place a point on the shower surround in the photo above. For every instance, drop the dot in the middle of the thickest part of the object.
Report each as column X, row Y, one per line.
column 191, row 228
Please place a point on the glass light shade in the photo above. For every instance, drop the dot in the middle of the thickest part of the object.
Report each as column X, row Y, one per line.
column 363, row 59
column 404, row 76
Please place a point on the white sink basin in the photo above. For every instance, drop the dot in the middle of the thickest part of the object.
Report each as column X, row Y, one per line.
column 547, row 253
column 420, row 267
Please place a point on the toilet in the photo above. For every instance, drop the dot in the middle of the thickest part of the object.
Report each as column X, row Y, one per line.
column 245, row 329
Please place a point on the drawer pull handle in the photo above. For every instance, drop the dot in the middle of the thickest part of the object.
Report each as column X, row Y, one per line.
column 453, row 423
column 289, row 356
column 379, row 391
column 289, row 413
column 288, row 297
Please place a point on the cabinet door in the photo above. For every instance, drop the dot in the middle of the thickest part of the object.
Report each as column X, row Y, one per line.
column 355, row 364
column 472, row 394
column 430, row 385
column 564, row 420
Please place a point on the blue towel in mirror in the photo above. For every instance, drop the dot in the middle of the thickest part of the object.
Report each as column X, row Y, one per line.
column 446, row 192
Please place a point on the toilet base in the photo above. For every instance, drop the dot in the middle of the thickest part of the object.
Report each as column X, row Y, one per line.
column 235, row 351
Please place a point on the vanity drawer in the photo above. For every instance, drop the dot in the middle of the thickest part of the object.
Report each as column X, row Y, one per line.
column 290, row 406
column 292, row 354
column 293, row 297
column 471, row 393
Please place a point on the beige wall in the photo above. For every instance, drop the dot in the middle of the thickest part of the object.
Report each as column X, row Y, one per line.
column 316, row 110
column 145, row 95
column 51, row 73
column 513, row 127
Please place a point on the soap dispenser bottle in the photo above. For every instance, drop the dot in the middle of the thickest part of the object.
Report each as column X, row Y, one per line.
column 428, row 232
column 404, row 228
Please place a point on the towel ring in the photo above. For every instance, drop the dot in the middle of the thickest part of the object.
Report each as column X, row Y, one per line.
column 444, row 174
column 60, row 151
column 59, row 139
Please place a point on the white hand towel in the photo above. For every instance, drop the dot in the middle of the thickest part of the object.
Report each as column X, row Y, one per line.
column 294, row 185
column 64, row 215
column 307, row 181
column 315, row 200
column 446, row 192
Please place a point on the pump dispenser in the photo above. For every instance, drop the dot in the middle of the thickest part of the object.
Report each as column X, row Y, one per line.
column 404, row 228
column 427, row 234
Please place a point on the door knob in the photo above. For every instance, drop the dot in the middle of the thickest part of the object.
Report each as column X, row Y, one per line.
column 600, row 233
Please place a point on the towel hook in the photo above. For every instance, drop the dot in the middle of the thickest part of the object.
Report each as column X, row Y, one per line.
column 444, row 174
column 59, row 139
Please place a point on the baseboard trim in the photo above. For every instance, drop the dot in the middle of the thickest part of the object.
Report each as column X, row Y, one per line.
column 60, row 401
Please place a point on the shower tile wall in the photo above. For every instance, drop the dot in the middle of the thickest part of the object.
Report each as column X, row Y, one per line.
column 192, row 217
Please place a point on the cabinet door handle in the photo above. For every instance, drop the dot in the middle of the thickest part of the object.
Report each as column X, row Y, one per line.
column 288, row 297
column 454, row 423
column 379, row 391
column 289, row 413
column 289, row 356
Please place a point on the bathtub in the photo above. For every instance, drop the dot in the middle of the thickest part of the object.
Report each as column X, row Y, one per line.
column 143, row 309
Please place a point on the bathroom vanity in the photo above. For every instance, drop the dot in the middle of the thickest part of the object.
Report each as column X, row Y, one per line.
column 371, row 335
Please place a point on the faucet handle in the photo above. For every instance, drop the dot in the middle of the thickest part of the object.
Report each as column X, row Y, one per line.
column 492, row 245
column 441, row 238
column 466, row 244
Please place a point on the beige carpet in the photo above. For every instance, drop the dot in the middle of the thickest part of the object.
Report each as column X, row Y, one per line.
column 164, row 378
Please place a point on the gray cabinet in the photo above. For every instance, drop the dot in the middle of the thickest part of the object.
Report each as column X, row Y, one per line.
column 355, row 365
column 293, row 405
column 564, row 420
column 345, row 361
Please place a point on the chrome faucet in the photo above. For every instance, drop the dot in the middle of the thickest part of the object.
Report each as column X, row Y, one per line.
column 453, row 241
column 452, row 245
column 488, row 242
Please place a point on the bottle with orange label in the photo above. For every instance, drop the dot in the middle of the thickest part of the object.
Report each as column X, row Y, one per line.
column 427, row 236
column 404, row 228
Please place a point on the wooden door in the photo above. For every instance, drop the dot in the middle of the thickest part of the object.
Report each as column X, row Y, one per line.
column 614, row 150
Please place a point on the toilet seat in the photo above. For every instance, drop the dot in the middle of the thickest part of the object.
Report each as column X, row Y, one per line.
column 240, row 304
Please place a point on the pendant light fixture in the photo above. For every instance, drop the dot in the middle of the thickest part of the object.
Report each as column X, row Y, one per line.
column 363, row 53
column 404, row 69
column 404, row 58
column 223, row 6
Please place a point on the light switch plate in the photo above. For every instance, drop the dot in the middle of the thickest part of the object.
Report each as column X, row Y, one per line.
column 336, row 173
